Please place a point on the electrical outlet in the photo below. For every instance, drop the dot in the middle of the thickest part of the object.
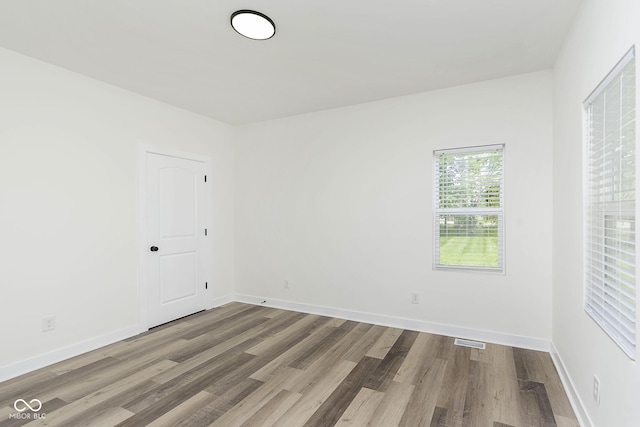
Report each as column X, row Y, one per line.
column 415, row 298
column 596, row 389
column 48, row 323
column 286, row 284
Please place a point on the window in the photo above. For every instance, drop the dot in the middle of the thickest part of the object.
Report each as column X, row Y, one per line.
column 469, row 208
column 610, row 205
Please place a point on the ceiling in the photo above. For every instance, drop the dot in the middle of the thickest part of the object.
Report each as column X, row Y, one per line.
column 325, row 54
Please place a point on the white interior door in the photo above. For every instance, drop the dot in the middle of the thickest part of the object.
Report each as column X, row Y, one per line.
column 176, row 210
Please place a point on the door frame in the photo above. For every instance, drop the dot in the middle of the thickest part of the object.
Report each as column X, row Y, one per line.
column 143, row 242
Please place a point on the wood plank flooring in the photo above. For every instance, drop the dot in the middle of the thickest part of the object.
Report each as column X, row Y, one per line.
column 245, row 365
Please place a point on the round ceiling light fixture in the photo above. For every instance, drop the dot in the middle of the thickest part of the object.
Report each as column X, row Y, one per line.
column 252, row 24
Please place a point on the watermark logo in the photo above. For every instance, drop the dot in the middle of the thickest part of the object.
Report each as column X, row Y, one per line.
column 22, row 406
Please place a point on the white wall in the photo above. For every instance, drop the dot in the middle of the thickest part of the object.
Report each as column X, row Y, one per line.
column 68, row 204
column 603, row 32
column 339, row 203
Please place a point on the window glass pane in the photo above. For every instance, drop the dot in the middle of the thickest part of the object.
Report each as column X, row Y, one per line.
column 469, row 240
column 470, row 180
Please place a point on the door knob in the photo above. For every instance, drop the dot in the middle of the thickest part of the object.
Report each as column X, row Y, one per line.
column 153, row 249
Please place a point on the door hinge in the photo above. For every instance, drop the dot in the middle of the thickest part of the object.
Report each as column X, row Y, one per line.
column 205, row 178
column 206, row 285
column 205, row 231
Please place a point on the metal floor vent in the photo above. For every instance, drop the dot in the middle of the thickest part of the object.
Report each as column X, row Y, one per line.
column 473, row 344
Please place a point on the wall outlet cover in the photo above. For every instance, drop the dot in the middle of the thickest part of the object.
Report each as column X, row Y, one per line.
column 48, row 323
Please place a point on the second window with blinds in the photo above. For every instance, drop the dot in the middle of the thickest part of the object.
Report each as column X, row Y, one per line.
column 469, row 208
column 610, row 205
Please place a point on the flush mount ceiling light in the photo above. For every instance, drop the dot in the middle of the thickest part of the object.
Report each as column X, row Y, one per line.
column 252, row 24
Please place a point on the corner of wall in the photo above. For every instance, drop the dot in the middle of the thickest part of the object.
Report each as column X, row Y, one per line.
column 570, row 389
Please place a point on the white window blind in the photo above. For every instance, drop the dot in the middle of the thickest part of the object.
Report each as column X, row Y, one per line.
column 610, row 205
column 469, row 208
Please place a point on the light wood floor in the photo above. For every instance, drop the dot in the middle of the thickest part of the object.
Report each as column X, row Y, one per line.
column 244, row 365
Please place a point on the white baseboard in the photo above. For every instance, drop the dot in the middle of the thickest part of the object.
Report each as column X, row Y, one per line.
column 40, row 361
column 570, row 389
column 398, row 322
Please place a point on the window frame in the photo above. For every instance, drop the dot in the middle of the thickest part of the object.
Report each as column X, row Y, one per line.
column 600, row 313
column 469, row 211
